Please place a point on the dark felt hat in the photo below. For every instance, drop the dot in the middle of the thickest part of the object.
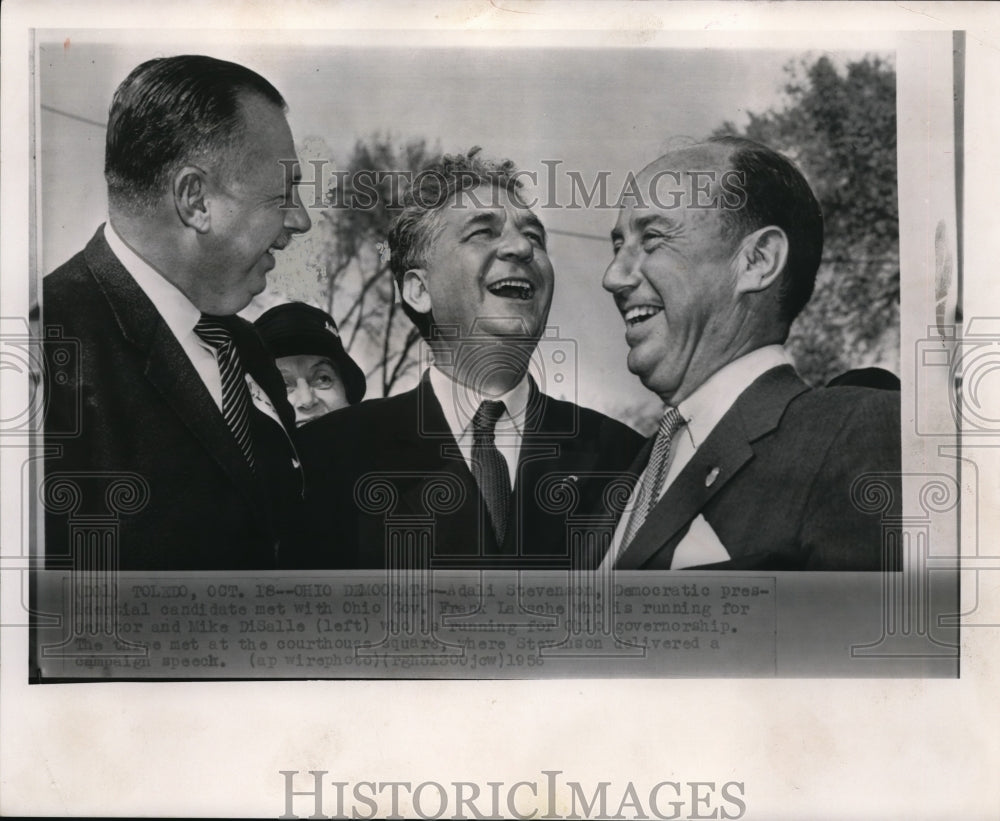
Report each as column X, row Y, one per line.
column 295, row 328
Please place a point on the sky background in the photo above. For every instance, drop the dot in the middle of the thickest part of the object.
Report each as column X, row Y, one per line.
column 590, row 109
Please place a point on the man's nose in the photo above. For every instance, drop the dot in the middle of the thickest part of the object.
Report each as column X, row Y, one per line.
column 303, row 396
column 515, row 245
column 620, row 274
column 296, row 217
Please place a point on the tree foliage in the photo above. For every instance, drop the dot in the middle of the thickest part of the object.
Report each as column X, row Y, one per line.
column 839, row 127
column 357, row 283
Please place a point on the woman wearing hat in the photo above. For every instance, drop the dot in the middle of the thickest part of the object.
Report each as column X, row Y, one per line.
column 319, row 375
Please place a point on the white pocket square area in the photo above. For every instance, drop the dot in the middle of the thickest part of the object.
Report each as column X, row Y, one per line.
column 700, row 545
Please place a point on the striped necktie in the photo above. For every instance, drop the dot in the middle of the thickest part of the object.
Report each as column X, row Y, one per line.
column 653, row 477
column 235, row 396
column 489, row 467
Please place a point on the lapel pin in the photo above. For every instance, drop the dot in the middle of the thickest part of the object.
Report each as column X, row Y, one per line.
column 713, row 474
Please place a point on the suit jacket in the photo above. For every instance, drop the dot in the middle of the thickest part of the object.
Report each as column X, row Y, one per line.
column 133, row 432
column 774, row 481
column 388, row 467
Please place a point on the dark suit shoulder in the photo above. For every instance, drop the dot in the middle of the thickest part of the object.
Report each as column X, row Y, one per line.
column 591, row 429
column 854, row 434
column 589, row 420
column 830, row 409
column 74, row 305
column 92, row 292
column 365, row 418
column 77, row 268
column 68, row 283
column 71, row 270
column 609, row 428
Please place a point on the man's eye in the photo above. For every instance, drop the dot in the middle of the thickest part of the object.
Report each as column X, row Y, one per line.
column 323, row 380
column 651, row 240
column 536, row 238
column 289, row 387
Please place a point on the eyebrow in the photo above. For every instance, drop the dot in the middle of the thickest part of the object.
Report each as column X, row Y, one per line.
column 481, row 218
column 325, row 362
column 493, row 217
column 644, row 222
column 534, row 222
column 640, row 224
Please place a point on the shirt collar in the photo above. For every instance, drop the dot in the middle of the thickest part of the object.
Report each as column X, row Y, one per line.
column 460, row 402
column 703, row 409
column 177, row 310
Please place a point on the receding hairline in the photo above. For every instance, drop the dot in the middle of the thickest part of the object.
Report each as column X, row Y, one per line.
column 432, row 218
column 712, row 156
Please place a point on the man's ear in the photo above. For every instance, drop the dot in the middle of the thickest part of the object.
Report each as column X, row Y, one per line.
column 760, row 259
column 190, row 190
column 414, row 291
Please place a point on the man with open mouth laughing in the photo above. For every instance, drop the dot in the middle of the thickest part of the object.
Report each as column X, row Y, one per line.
column 477, row 447
column 714, row 257
column 170, row 418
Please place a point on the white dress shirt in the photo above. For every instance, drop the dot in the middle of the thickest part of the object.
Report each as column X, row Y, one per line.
column 460, row 402
column 702, row 411
column 176, row 309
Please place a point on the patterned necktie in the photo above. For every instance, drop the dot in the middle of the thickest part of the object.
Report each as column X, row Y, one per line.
column 489, row 467
column 652, row 479
column 235, row 396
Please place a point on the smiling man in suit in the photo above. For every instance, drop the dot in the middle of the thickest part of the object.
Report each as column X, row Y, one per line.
column 476, row 450
column 175, row 398
column 713, row 260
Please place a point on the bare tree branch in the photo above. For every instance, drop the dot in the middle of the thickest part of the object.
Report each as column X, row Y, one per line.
column 358, row 324
column 366, row 286
column 372, row 313
column 331, row 279
column 387, row 335
column 403, row 363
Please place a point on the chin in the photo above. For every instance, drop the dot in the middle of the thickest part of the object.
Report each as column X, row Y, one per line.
column 636, row 366
column 646, row 373
column 259, row 281
column 513, row 326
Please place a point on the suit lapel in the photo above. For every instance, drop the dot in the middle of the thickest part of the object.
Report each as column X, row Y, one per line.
column 557, row 467
column 166, row 365
column 259, row 364
column 728, row 450
column 717, row 461
column 426, row 446
column 535, row 457
column 632, row 475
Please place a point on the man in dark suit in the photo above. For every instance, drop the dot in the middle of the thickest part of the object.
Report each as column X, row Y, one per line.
column 476, row 466
column 173, row 422
column 750, row 468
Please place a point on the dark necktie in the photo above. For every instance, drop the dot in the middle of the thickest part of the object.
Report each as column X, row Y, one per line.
column 489, row 466
column 652, row 479
column 235, row 396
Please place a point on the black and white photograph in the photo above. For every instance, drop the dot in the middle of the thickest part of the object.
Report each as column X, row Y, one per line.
column 421, row 386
